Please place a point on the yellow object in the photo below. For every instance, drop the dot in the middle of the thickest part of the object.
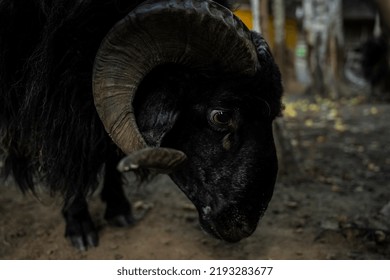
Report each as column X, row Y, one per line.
column 291, row 28
column 246, row 17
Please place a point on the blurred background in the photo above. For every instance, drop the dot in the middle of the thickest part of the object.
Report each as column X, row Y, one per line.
column 333, row 140
column 326, row 44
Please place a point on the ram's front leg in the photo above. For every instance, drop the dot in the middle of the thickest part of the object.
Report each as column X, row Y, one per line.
column 80, row 229
column 118, row 209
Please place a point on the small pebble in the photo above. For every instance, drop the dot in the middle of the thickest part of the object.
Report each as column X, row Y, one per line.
column 336, row 189
column 330, row 225
column 385, row 211
column 299, row 230
column 380, row 236
column 292, row 204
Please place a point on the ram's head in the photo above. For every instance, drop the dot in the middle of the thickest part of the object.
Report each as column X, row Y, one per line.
column 183, row 87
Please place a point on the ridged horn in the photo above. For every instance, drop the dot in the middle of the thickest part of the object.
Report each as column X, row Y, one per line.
column 162, row 160
column 200, row 34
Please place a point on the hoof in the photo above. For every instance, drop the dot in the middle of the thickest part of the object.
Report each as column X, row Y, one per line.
column 85, row 241
column 80, row 229
column 122, row 220
column 82, row 235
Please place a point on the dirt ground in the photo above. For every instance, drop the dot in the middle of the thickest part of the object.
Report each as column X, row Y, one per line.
column 338, row 207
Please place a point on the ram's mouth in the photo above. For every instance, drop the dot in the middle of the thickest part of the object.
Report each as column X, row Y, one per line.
column 229, row 233
column 226, row 225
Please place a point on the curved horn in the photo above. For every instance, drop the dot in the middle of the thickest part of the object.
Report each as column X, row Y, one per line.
column 197, row 33
column 163, row 160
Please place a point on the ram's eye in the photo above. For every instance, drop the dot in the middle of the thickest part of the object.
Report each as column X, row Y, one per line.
column 221, row 118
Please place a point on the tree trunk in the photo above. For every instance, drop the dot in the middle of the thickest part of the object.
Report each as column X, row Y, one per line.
column 255, row 7
column 279, row 24
column 324, row 37
column 384, row 11
column 288, row 167
column 264, row 19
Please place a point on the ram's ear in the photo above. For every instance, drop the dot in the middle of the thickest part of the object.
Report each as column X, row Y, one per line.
column 157, row 103
column 156, row 115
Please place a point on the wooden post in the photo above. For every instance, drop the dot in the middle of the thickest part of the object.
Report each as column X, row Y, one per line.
column 255, row 7
column 279, row 25
column 264, row 19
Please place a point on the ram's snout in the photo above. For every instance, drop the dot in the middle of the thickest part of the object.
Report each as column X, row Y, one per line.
column 227, row 224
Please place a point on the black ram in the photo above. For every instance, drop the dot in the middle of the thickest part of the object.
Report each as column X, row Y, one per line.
column 176, row 86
